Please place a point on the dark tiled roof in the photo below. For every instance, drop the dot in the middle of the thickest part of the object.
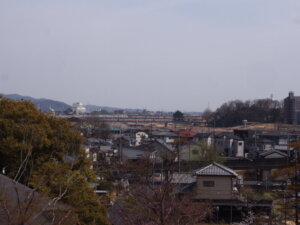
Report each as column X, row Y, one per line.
column 266, row 153
column 265, row 141
column 204, row 135
column 164, row 133
column 215, row 169
column 167, row 146
column 38, row 207
column 228, row 135
column 277, row 134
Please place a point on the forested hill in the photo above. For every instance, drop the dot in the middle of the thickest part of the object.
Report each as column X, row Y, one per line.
column 233, row 113
column 42, row 103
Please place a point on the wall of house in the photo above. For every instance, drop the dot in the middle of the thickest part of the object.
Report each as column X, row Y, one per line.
column 222, row 188
column 240, row 149
column 209, row 141
column 283, row 141
column 169, row 140
column 186, row 153
column 221, row 143
column 228, row 145
column 267, row 147
column 139, row 136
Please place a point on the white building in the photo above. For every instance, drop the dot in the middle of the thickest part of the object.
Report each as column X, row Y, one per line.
column 139, row 137
column 78, row 108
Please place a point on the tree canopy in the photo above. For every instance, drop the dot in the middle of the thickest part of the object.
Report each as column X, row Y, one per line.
column 94, row 127
column 233, row 113
column 178, row 116
column 206, row 154
column 45, row 153
column 287, row 202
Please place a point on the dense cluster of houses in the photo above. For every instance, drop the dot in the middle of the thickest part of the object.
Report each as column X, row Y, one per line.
column 133, row 144
column 249, row 155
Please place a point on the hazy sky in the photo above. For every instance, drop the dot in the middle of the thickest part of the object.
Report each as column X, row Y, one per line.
column 154, row 54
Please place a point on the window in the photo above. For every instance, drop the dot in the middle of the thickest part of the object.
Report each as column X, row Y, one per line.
column 208, row 183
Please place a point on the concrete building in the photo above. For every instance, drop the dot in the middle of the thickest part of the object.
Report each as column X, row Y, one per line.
column 78, row 108
column 292, row 109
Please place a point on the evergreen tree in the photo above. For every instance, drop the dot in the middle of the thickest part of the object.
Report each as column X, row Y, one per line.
column 45, row 153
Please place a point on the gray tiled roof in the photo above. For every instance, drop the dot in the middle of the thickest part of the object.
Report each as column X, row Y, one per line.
column 16, row 195
column 266, row 153
column 228, row 135
column 183, row 178
column 164, row 133
column 177, row 178
column 215, row 169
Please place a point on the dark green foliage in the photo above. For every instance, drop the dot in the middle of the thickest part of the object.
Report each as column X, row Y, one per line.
column 94, row 127
column 206, row 154
column 178, row 116
column 45, row 153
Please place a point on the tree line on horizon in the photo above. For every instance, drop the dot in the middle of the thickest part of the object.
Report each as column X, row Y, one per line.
column 233, row 113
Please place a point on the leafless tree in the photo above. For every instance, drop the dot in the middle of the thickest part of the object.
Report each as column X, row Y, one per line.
column 20, row 205
column 150, row 203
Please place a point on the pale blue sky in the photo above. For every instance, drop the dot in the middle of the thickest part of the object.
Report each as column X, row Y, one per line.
column 154, row 54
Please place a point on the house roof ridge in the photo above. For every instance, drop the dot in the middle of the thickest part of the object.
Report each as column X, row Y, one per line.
column 225, row 168
column 221, row 167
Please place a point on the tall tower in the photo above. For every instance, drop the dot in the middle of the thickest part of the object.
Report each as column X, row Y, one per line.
column 292, row 109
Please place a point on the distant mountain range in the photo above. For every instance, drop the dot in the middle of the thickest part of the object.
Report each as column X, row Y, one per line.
column 42, row 103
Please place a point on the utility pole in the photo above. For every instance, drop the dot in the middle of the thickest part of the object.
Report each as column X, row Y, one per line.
column 296, row 189
column 120, row 148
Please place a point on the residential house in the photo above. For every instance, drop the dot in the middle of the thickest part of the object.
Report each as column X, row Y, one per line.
column 140, row 136
column 164, row 135
column 23, row 205
column 273, row 154
column 207, row 138
column 100, row 151
column 158, row 151
column 281, row 140
column 188, row 135
column 216, row 182
column 232, row 145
